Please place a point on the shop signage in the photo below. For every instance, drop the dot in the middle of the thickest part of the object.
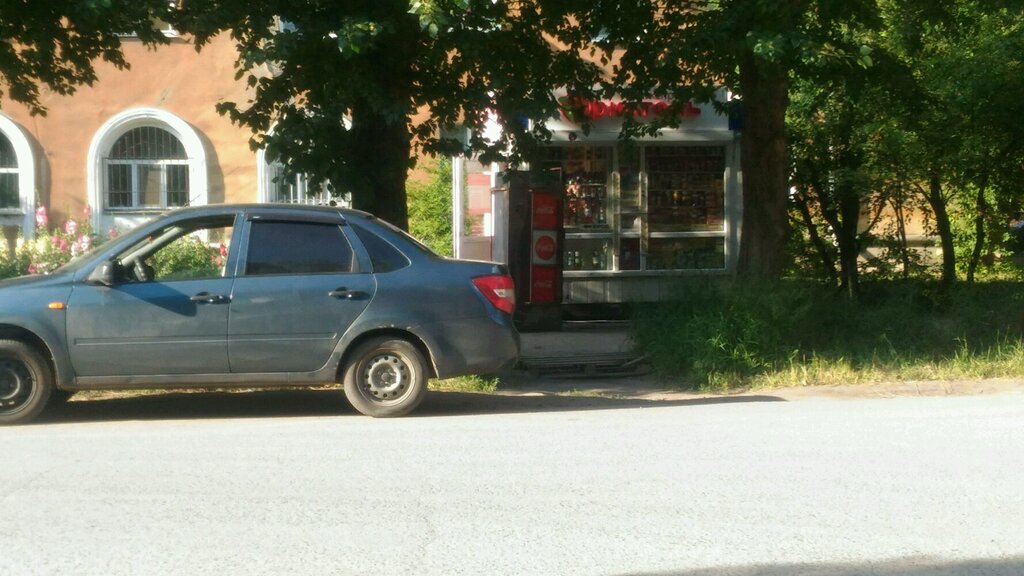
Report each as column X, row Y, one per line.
column 544, row 272
column 544, row 248
column 545, row 211
column 578, row 109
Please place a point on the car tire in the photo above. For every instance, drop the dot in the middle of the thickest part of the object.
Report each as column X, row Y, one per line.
column 25, row 382
column 385, row 377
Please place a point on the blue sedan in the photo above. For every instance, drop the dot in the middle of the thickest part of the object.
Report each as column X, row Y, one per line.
column 255, row 295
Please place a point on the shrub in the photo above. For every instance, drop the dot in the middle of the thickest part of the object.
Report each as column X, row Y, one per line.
column 430, row 207
column 730, row 334
column 51, row 249
column 13, row 264
column 186, row 257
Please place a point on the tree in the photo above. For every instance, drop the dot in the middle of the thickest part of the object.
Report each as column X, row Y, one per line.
column 430, row 207
column 755, row 49
column 964, row 136
column 55, row 43
column 352, row 89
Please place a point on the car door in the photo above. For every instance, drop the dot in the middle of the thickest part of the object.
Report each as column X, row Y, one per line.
column 173, row 321
column 299, row 290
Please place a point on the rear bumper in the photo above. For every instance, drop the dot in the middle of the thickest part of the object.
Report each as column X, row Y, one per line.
column 472, row 346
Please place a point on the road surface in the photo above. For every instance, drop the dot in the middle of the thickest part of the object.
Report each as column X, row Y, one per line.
column 296, row 483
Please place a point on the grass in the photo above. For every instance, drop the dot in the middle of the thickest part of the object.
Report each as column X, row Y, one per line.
column 459, row 384
column 724, row 336
column 466, row 384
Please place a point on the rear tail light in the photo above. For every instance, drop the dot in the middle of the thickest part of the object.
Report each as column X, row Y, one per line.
column 499, row 291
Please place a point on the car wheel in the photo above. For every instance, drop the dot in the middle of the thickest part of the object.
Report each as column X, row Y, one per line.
column 25, row 382
column 385, row 377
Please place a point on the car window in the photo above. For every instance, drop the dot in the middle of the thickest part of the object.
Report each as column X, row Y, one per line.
column 190, row 250
column 197, row 254
column 383, row 256
column 297, row 248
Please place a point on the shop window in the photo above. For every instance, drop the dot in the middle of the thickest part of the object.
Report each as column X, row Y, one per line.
column 147, row 168
column 686, row 188
column 639, row 207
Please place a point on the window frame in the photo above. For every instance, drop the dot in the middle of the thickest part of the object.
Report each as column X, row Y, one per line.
column 22, row 215
column 136, row 165
column 359, row 262
column 103, row 143
column 16, row 171
column 136, row 189
column 146, row 246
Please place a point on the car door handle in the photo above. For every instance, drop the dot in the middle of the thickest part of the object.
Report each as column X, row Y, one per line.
column 345, row 293
column 207, row 298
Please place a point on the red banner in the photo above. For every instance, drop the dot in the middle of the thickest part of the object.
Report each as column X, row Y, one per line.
column 577, row 109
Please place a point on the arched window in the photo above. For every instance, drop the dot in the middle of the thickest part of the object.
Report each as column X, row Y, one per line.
column 147, row 168
column 17, row 178
column 143, row 161
column 10, row 190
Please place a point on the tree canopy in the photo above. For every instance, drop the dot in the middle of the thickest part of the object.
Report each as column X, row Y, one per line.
column 853, row 104
column 54, row 44
column 346, row 91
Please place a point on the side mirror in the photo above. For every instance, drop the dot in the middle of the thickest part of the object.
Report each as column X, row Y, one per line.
column 102, row 275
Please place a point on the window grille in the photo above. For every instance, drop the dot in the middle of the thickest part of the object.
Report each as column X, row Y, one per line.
column 9, row 189
column 147, row 168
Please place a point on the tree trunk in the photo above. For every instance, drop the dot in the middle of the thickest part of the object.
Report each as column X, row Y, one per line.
column 938, row 204
column 849, row 243
column 845, row 232
column 981, row 211
column 764, row 86
column 901, row 234
column 380, row 120
column 383, row 151
column 828, row 265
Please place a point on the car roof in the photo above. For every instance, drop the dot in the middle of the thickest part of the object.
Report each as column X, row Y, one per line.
column 268, row 208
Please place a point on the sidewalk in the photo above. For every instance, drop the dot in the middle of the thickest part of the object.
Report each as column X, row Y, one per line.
column 577, row 339
column 556, row 363
column 586, row 357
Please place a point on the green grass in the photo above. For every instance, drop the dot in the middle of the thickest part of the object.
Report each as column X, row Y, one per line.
column 722, row 336
column 465, row 384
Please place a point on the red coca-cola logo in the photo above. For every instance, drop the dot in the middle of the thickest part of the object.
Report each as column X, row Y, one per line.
column 545, row 248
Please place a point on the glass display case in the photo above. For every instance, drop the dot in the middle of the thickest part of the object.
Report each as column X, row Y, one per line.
column 687, row 188
column 639, row 208
column 584, row 178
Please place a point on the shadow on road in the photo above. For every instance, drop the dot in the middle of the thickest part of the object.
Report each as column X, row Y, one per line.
column 898, row 567
column 306, row 403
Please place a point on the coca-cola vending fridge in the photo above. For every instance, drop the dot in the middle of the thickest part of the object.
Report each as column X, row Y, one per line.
column 535, row 239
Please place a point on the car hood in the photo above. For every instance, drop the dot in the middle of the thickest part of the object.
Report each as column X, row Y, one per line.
column 33, row 280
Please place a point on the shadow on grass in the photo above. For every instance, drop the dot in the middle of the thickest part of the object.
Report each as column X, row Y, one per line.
column 331, row 403
column 1013, row 566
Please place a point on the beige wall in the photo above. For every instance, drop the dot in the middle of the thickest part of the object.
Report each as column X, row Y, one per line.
column 173, row 78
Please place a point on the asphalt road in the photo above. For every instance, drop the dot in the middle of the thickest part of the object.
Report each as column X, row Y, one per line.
column 296, row 483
